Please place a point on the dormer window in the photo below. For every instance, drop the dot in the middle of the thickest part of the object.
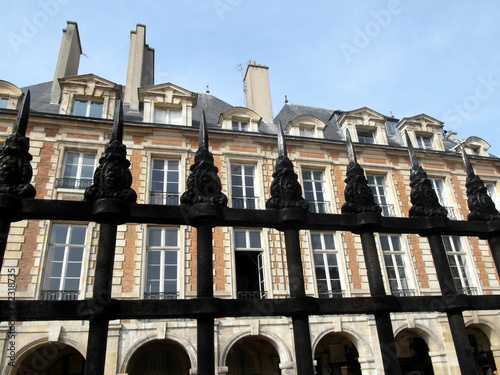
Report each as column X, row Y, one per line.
column 89, row 96
column 424, row 142
column 240, row 119
column 366, row 136
column 87, row 108
column 306, row 126
column 3, row 103
column 168, row 116
column 241, row 126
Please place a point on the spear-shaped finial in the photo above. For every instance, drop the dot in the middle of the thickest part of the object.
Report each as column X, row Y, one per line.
column 15, row 167
column 117, row 131
column 358, row 195
column 203, row 183
column 423, row 197
column 23, row 114
column 411, row 152
column 480, row 204
column 286, row 191
column 351, row 155
column 282, row 151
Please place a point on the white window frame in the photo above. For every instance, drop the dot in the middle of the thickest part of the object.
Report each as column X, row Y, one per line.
column 262, row 264
column 421, row 141
column 88, row 103
column 163, row 249
column 167, row 198
column 439, row 186
column 324, row 253
column 381, row 193
column 170, row 118
column 63, row 277
column 314, row 194
column 361, row 138
column 240, row 125
column 463, row 278
column 246, row 200
column 404, row 284
column 2, row 101
column 78, row 178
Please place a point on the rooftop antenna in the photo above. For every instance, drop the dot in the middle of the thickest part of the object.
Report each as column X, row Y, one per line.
column 239, row 68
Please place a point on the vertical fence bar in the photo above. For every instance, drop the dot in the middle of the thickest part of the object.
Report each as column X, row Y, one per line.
column 494, row 243
column 382, row 319
column 301, row 330
column 455, row 318
column 205, row 325
column 98, row 327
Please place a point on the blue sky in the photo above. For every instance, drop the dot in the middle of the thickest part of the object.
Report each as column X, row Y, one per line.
column 441, row 58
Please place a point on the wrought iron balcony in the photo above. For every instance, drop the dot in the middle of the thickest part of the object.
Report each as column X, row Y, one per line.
column 167, row 199
column 468, row 290
column 403, row 292
column 252, row 294
column 331, row 294
column 246, row 202
column 319, row 207
column 387, row 210
column 161, row 295
column 73, row 183
column 59, row 295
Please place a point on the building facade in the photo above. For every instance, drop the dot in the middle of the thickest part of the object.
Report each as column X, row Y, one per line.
column 70, row 124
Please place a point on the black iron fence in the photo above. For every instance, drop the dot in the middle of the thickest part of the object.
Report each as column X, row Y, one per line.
column 110, row 201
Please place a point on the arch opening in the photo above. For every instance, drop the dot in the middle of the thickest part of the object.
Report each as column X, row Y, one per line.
column 336, row 354
column 481, row 350
column 53, row 359
column 253, row 355
column 159, row 357
column 413, row 353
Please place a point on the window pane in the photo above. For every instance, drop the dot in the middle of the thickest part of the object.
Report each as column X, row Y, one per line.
column 96, row 109
column 73, row 270
column 240, row 239
column 59, row 234
column 72, row 284
column 316, row 241
column 329, row 243
column 171, row 237
column 171, row 257
column 4, row 102
column 78, row 235
column 75, row 254
column 160, row 115
column 80, row 108
column 255, row 240
column 154, row 237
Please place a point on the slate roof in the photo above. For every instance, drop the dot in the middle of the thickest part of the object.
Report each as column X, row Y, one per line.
column 213, row 107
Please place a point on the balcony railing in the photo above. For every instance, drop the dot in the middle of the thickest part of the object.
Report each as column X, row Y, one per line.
column 252, row 295
column 403, row 292
column 59, row 295
column 387, row 210
column 167, row 199
column 319, row 207
column 468, row 290
column 73, row 183
column 161, row 295
column 246, row 202
column 331, row 294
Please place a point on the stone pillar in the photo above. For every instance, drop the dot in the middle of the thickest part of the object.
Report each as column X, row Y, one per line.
column 112, row 348
column 439, row 362
column 495, row 350
column 367, row 365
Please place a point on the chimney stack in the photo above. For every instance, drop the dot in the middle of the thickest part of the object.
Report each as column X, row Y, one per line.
column 258, row 90
column 141, row 64
column 68, row 60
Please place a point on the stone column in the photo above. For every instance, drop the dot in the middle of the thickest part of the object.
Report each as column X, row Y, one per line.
column 439, row 362
column 112, row 348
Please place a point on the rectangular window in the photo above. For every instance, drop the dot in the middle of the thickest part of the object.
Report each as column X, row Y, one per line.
column 439, row 188
column 168, row 116
column 326, row 265
column 64, row 262
column 366, row 136
column 306, row 132
column 314, row 185
column 381, row 194
column 457, row 257
column 424, row 142
column 4, row 102
column 243, row 186
column 78, row 170
column 165, row 182
column 162, row 263
column 241, row 126
column 87, row 108
column 492, row 191
column 395, row 265
column 249, row 264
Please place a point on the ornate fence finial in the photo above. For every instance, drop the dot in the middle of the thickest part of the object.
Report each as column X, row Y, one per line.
column 286, row 191
column 423, row 197
column 15, row 167
column 481, row 205
column 203, row 183
column 359, row 197
column 112, row 178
